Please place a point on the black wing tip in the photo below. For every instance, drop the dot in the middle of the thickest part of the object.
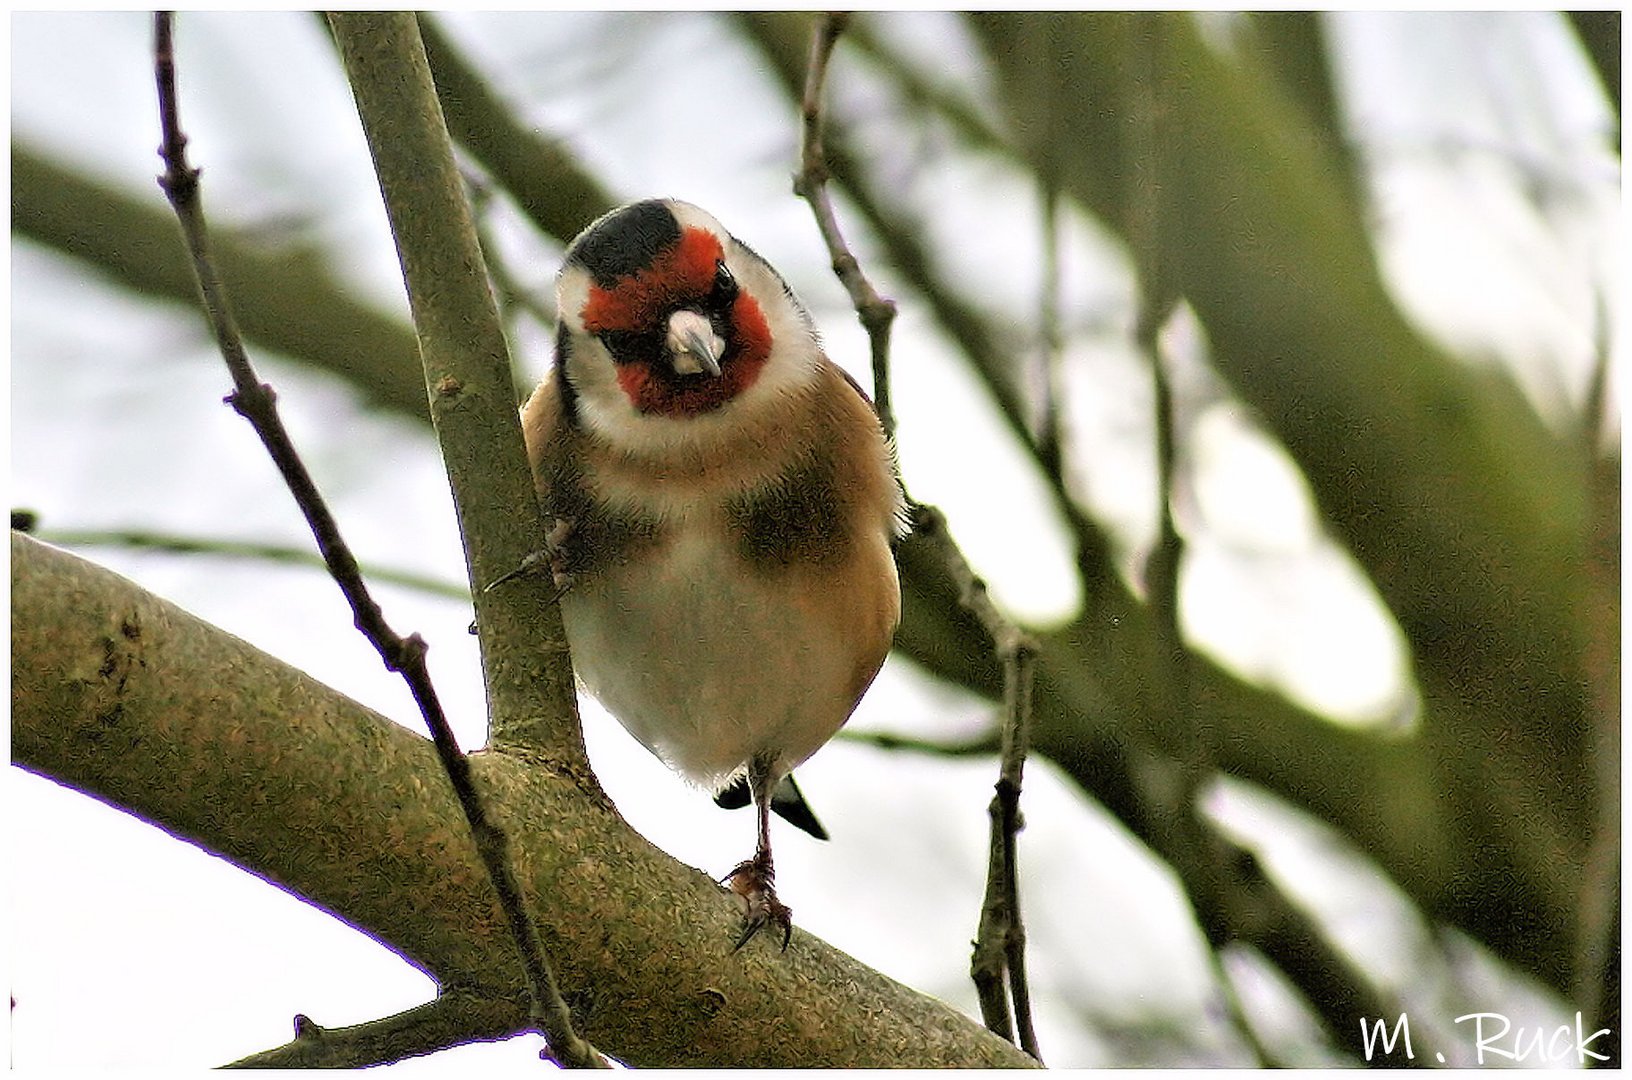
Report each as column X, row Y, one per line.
column 787, row 801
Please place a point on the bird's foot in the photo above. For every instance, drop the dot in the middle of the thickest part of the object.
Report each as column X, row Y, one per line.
column 553, row 555
column 754, row 883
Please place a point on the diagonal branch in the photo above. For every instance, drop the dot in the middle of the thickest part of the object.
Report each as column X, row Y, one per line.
column 256, row 402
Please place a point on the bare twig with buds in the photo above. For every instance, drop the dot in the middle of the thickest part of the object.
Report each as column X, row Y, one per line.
column 1000, row 944
column 257, row 403
column 810, row 183
column 1000, row 941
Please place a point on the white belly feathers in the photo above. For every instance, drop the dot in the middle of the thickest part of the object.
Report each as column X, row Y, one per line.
column 703, row 660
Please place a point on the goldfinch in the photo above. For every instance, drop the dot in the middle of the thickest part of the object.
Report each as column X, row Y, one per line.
column 723, row 505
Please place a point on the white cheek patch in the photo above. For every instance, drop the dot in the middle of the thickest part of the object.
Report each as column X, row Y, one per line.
column 571, row 295
column 601, row 401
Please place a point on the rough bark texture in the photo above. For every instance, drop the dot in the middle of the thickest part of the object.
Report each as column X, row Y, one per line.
column 130, row 699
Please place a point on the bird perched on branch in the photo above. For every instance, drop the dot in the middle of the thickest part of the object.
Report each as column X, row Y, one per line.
column 723, row 504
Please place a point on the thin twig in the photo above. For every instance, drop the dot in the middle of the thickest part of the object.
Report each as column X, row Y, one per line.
column 810, row 183
column 983, row 745
column 1212, row 871
column 256, row 402
column 1050, row 424
column 148, row 540
column 904, row 250
column 453, row 1018
column 1017, row 680
column 1162, row 565
column 1000, row 939
column 1000, row 945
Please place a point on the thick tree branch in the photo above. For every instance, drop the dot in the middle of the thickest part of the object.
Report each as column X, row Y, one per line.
column 128, row 698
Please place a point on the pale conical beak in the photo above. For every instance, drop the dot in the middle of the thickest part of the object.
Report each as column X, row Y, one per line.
column 693, row 345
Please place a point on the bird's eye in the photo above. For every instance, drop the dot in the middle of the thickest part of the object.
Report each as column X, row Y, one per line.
column 725, row 286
